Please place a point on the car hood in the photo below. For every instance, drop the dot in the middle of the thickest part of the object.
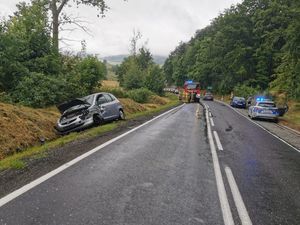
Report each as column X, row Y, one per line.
column 67, row 105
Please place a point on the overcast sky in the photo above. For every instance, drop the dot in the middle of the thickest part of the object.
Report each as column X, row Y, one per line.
column 163, row 23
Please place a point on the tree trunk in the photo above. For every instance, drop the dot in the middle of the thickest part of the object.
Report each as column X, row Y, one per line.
column 55, row 32
column 55, row 22
column 55, row 25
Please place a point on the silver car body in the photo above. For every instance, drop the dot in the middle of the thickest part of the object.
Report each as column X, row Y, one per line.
column 263, row 110
column 81, row 113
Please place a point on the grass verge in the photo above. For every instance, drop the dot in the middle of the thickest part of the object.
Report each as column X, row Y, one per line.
column 17, row 161
column 292, row 117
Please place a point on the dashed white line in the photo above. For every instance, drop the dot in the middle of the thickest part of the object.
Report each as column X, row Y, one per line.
column 226, row 212
column 47, row 176
column 238, row 200
column 220, row 147
column 212, row 122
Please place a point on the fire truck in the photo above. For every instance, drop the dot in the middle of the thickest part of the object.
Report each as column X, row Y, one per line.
column 190, row 91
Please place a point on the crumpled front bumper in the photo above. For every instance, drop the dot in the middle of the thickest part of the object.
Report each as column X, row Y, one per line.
column 74, row 125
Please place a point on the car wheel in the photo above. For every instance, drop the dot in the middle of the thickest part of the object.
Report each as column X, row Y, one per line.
column 98, row 120
column 121, row 115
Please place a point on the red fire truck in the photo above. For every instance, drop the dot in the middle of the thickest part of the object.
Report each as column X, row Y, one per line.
column 190, row 91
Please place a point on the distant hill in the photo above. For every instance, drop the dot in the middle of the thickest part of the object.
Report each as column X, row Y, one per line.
column 117, row 59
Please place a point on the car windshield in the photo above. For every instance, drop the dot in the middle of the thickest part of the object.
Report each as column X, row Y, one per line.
column 89, row 99
column 266, row 104
column 239, row 99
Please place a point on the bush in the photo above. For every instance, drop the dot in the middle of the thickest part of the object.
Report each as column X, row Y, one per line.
column 90, row 71
column 38, row 90
column 140, row 95
column 245, row 91
column 116, row 91
column 155, row 80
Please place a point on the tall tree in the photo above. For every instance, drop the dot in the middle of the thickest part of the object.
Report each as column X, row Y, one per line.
column 57, row 6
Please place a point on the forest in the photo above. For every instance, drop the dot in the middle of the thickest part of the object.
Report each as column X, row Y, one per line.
column 249, row 48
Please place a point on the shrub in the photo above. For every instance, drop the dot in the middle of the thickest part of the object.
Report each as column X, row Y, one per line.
column 38, row 90
column 245, row 91
column 155, row 80
column 140, row 95
column 116, row 91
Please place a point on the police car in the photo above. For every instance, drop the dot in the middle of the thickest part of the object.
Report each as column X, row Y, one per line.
column 263, row 109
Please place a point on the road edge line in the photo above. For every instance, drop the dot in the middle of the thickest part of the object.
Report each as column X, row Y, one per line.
column 212, row 122
column 274, row 135
column 226, row 211
column 9, row 197
column 237, row 197
column 220, row 147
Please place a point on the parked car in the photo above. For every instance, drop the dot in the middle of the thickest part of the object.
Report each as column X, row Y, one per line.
column 208, row 96
column 264, row 110
column 238, row 102
column 94, row 109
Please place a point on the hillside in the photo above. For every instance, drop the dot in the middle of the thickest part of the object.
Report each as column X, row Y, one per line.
column 117, row 59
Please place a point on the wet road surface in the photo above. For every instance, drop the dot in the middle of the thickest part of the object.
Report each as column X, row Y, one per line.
column 164, row 173
column 266, row 170
column 160, row 174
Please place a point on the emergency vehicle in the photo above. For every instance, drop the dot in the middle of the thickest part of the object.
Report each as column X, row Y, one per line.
column 190, row 92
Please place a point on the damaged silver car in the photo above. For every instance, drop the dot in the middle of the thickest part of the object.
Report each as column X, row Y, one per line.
column 94, row 109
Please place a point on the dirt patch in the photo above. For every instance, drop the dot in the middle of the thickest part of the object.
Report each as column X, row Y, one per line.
column 110, row 84
column 131, row 106
column 11, row 179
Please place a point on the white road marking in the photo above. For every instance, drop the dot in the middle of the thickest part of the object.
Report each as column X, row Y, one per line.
column 212, row 122
column 274, row 135
column 47, row 176
column 226, row 212
column 238, row 200
column 210, row 115
column 220, row 147
column 198, row 111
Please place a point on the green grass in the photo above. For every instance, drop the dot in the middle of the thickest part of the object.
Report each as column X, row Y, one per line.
column 16, row 161
column 292, row 117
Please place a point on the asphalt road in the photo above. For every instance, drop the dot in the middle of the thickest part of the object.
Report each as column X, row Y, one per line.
column 266, row 170
column 166, row 173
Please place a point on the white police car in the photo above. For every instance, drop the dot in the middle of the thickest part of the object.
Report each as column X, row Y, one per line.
column 263, row 109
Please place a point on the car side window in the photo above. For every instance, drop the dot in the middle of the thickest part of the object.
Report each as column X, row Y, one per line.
column 101, row 100
column 113, row 97
column 108, row 98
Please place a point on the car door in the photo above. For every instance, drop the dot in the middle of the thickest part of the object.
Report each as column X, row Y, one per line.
column 103, row 106
column 115, row 106
column 110, row 106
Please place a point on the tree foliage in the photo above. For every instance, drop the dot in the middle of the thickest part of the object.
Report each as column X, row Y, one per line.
column 255, row 43
column 139, row 70
column 31, row 72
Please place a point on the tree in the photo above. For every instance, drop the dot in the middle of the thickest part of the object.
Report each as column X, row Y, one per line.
column 155, row 79
column 254, row 44
column 57, row 6
column 137, row 35
column 25, row 45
